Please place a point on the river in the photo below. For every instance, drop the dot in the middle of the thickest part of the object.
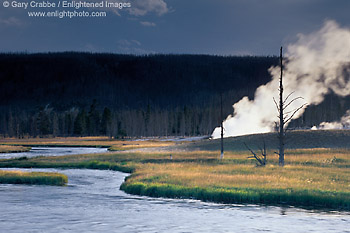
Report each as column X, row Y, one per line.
column 92, row 202
column 53, row 151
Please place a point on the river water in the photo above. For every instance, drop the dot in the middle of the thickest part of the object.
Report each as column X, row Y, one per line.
column 92, row 202
column 53, row 151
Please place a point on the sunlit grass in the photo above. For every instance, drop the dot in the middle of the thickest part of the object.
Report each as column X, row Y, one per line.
column 112, row 144
column 311, row 177
column 11, row 149
column 238, row 176
column 295, row 184
column 37, row 178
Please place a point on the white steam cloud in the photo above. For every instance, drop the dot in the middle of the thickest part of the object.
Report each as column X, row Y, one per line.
column 316, row 64
column 344, row 123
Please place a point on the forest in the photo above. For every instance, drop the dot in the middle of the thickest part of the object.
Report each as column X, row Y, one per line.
column 87, row 94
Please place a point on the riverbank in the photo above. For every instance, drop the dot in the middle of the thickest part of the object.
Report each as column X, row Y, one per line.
column 13, row 149
column 312, row 178
column 106, row 142
column 32, row 178
column 319, row 179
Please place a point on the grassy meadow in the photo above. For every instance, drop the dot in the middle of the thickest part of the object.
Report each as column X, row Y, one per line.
column 37, row 178
column 13, row 149
column 113, row 145
column 315, row 178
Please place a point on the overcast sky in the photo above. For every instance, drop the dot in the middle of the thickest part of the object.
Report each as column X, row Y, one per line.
column 220, row 27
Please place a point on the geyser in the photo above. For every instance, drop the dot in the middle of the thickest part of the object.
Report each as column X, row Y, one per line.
column 316, row 64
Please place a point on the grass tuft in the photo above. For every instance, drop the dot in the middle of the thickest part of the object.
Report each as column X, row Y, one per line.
column 301, row 198
column 13, row 149
column 33, row 178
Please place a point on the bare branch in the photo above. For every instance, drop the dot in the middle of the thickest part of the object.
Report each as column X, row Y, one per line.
column 264, row 154
column 285, row 100
column 254, row 155
column 290, row 118
column 249, row 149
column 261, row 160
column 286, row 106
column 286, row 113
column 278, row 108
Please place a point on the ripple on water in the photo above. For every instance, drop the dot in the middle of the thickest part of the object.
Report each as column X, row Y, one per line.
column 92, row 202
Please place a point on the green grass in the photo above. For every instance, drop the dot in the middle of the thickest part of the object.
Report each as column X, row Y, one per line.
column 32, row 178
column 301, row 198
column 319, row 180
column 89, row 164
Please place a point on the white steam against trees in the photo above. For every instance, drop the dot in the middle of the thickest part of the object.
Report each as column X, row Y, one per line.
column 315, row 65
column 344, row 123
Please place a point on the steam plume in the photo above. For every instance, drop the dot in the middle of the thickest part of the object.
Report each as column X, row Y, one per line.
column 344, row 123
column 316, row 64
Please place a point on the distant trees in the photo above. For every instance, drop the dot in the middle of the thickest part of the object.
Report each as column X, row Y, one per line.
column 80, row 123
column 185, row 121
column 93, row 120
column 44, row 122
column 106, row 122
column 124, row 95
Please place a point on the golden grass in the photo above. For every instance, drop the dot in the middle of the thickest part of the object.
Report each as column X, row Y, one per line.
column 11, row 149
column 88, row 141
column 314, row 171
column 246, row 176
column 41, row 178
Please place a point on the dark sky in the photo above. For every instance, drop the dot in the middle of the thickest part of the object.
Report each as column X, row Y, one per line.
column 223, row 27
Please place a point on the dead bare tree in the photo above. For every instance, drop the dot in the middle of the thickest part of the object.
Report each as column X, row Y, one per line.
column 222, row 130
column 284, row 117
column 261, row 160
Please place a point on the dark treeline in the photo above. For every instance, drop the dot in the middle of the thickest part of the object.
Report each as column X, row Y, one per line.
column 67, row 94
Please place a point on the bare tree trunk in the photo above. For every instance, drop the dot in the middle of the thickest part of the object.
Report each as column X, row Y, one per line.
column 281, row 118
column 222, row 131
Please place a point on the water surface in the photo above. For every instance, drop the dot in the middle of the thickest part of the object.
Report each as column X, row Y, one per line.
column 53, row 151
column 92, row 202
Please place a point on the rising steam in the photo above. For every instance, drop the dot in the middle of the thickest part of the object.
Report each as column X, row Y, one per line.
column 344, row 123
column 316, row 64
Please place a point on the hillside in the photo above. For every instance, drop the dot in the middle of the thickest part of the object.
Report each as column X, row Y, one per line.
column 298, row 139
